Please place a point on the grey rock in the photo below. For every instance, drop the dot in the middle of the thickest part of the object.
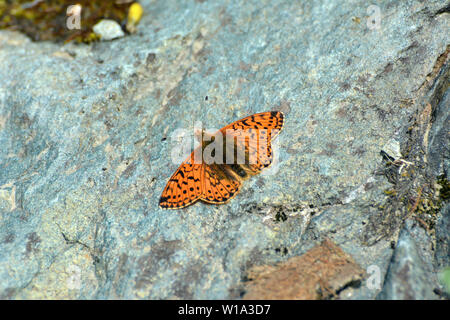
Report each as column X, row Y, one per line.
column 439, row 165
column 443, row 238
column 410, row 276
column 86, row 134
column 438, row 145
column 392, row 149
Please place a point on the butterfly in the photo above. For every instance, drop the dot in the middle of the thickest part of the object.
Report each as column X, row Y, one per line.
column 214, row 171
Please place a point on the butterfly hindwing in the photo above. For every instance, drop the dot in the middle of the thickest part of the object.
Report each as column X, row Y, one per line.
column 184, row 187
column 219, row 187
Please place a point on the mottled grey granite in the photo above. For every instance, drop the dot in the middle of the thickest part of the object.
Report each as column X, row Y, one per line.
column 439, row 150
column 410, row 275
column 86, row 140
column 443, row 239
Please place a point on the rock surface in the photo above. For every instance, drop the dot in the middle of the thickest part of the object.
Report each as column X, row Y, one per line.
column 409, row 276
column 86, row 134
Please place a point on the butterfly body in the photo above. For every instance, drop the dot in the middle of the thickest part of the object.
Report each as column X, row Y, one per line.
column 215, row 170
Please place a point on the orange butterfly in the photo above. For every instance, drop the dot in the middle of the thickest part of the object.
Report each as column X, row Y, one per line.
column 216, row 177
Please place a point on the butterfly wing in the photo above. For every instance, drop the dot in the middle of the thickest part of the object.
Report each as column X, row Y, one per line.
column 215, row 183
column 184, row 187
column 219, row 186
column 264, row 120
column 254, row 135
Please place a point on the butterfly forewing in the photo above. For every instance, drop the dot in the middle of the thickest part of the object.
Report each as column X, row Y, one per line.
column 253, row 135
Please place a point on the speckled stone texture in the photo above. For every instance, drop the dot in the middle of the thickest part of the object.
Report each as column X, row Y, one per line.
column 86, row 135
